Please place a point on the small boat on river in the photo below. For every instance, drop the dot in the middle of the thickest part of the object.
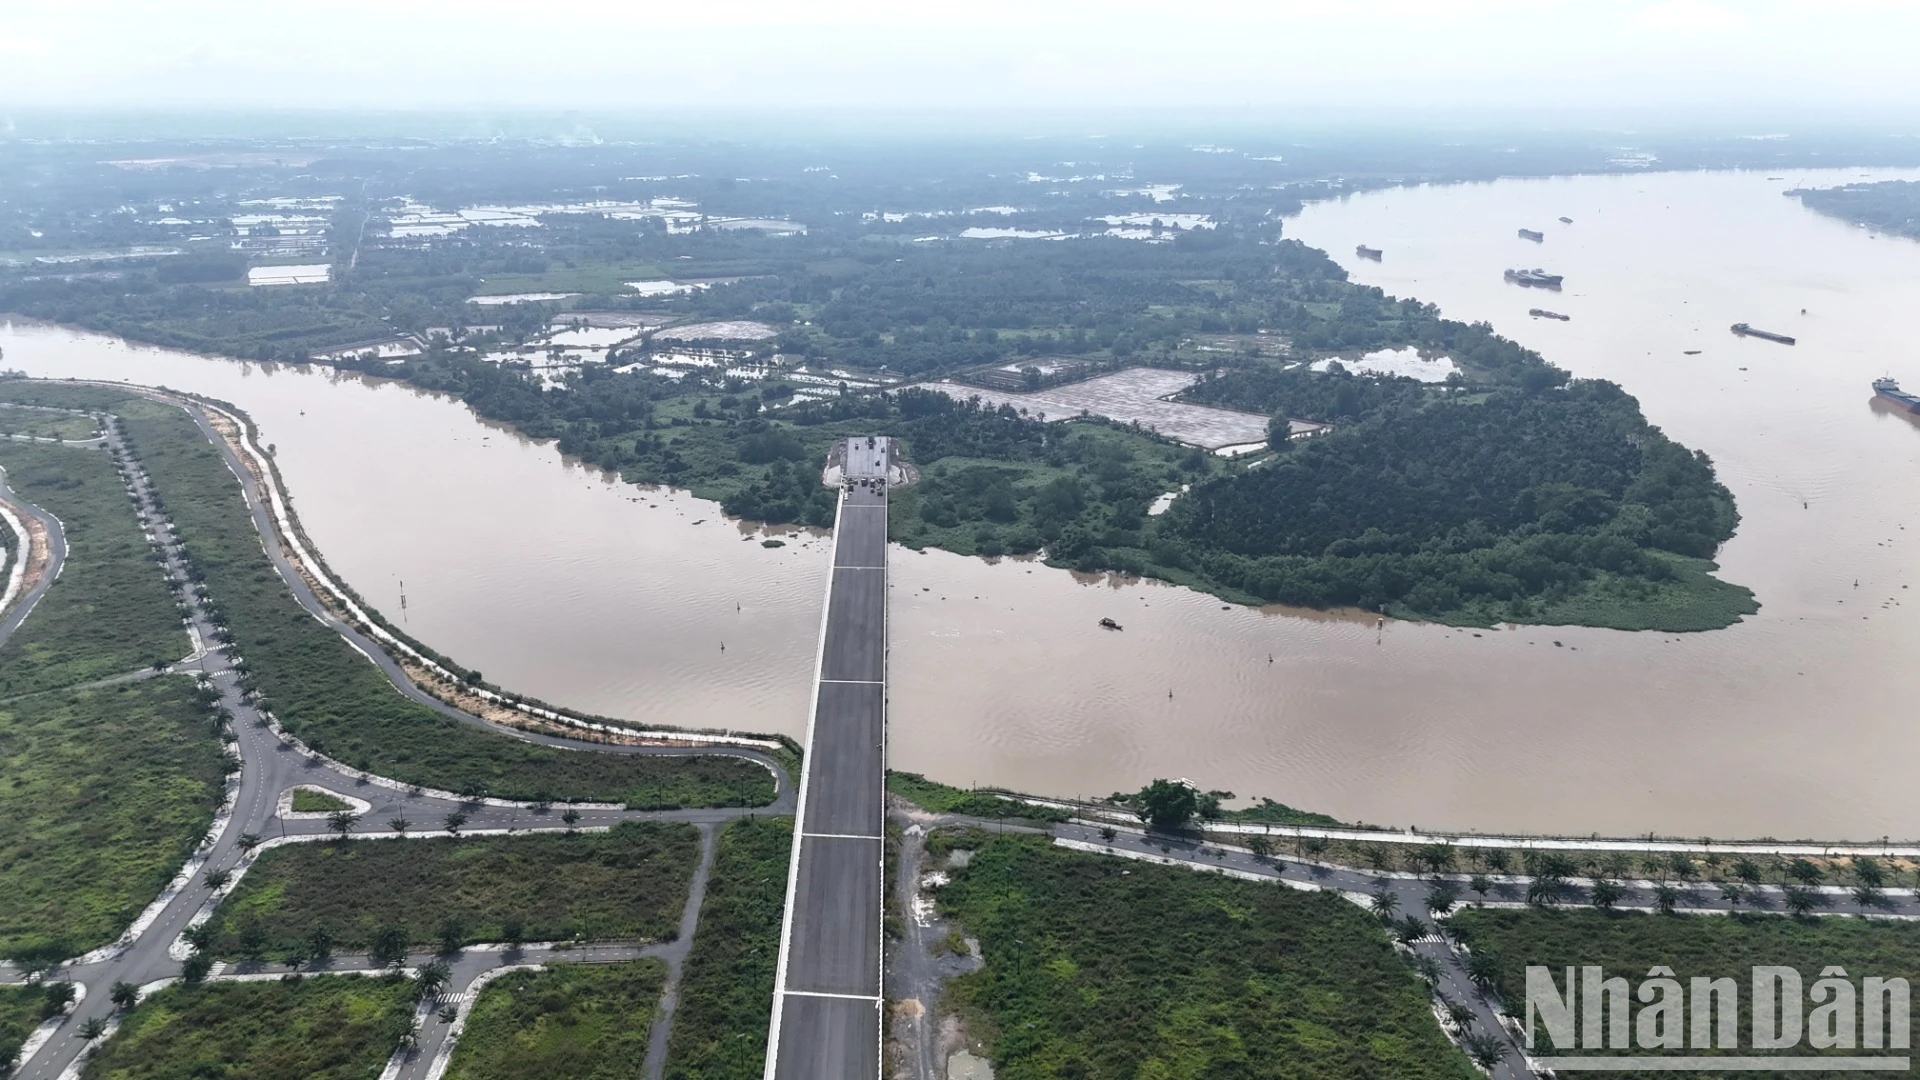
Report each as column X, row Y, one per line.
column 1111, row 625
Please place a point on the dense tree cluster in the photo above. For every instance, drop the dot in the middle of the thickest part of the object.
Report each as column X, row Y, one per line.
column 1890, row 205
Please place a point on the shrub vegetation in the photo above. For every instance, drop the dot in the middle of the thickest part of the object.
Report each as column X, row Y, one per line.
column 334, row 1027
column 630, row 882
column 1100, row 967
column 726, row 993
column 570, row 1020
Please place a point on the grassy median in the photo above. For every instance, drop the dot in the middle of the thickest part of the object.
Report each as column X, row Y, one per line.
column 1097, row 966
column 571, row 1020
column 329, row 695
column 726, row 992
column 630, row 883
column 332, row 1027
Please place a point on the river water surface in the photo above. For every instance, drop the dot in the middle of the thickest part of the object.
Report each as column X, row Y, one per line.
column 559, row 583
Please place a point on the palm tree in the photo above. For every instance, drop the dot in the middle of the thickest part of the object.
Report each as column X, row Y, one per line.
column 124, row 995
column 217, row 879
column 1867, row 896
column 1801, row 900
column 1107, row 833
column 342, row 822
column 1868, row 871
column 1409, row 929
column 1665, row 898
column 1486, row 1049
column 1498, row 861
column 1544, row 891
column 1483, row 971
column 93, row 1028
column 1732, row 892
column 571, row 817
column 1261, row 847
column 399, row 825
column 1481, row 884
column 432, row 978
column 1605, row 894
column 1441, row 898
column 1460, row 1013
column 1805, row 872
column 454, row 822
column 249, row 840
column 320, row 943
column 1746, row 870
column 1384, row 902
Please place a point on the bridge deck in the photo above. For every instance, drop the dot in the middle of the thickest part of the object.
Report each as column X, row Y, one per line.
column 826, row 1006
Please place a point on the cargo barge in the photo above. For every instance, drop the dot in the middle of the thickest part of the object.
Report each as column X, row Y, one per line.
column 1890, row 390
column 1366, row 252
column 1536, row 278
column 1543, row 313
column 1564, row 220
column 1747, row 331
column 1536, row 237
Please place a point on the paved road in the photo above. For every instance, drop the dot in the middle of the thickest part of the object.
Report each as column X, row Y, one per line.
column 270, row 764
column 56, row 556
column 826, row 1006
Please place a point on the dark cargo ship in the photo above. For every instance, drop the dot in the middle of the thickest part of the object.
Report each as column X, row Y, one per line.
column 1564, row 220
column 1536, row 237
column 1890, row 390
column 1366, row 252
column 1535, row 277
column 1747, row 331
column 1543, row 313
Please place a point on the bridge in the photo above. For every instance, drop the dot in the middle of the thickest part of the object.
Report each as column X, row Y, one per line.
column 827, row 1000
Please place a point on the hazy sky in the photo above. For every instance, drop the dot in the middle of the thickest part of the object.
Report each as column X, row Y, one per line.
column 1747, row 55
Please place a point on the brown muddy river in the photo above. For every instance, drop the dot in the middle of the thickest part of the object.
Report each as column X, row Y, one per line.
column 559, row 583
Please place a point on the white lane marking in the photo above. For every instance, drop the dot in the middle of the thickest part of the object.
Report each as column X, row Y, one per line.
column 855, row 682
column 824, row 994
column 840, row 836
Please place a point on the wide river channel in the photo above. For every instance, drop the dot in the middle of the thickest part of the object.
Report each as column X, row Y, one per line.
column 563, row 583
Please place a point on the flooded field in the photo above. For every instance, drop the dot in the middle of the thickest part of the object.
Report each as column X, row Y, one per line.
column 557, row 582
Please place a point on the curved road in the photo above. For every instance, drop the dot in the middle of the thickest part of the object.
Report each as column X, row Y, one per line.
column 271, row 763
column 56, row 557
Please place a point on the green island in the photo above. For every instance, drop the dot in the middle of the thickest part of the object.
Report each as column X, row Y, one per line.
column 1891, row 206
column 109, row 786
column 1633, row 943
column 308, row 800
column 327, row 694
column 569, row 1020
column 628, row 883
column 726, row 994
column 333, row 1027
column 1507, row 493
column 1242, row 974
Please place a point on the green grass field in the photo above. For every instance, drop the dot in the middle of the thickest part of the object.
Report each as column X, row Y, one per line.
column 1631, row 943
column 1101, row 967
column 105, row 787
column 333, row 1027
column 571, row 1020
column 726, row 992
column 110, row 612
column 310, row 801
column 628, row 883
column 105, row 792
column 45, row 425
column 329, row 695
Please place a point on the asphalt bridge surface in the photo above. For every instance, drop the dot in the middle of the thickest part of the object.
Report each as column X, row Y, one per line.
column 826, row 1008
